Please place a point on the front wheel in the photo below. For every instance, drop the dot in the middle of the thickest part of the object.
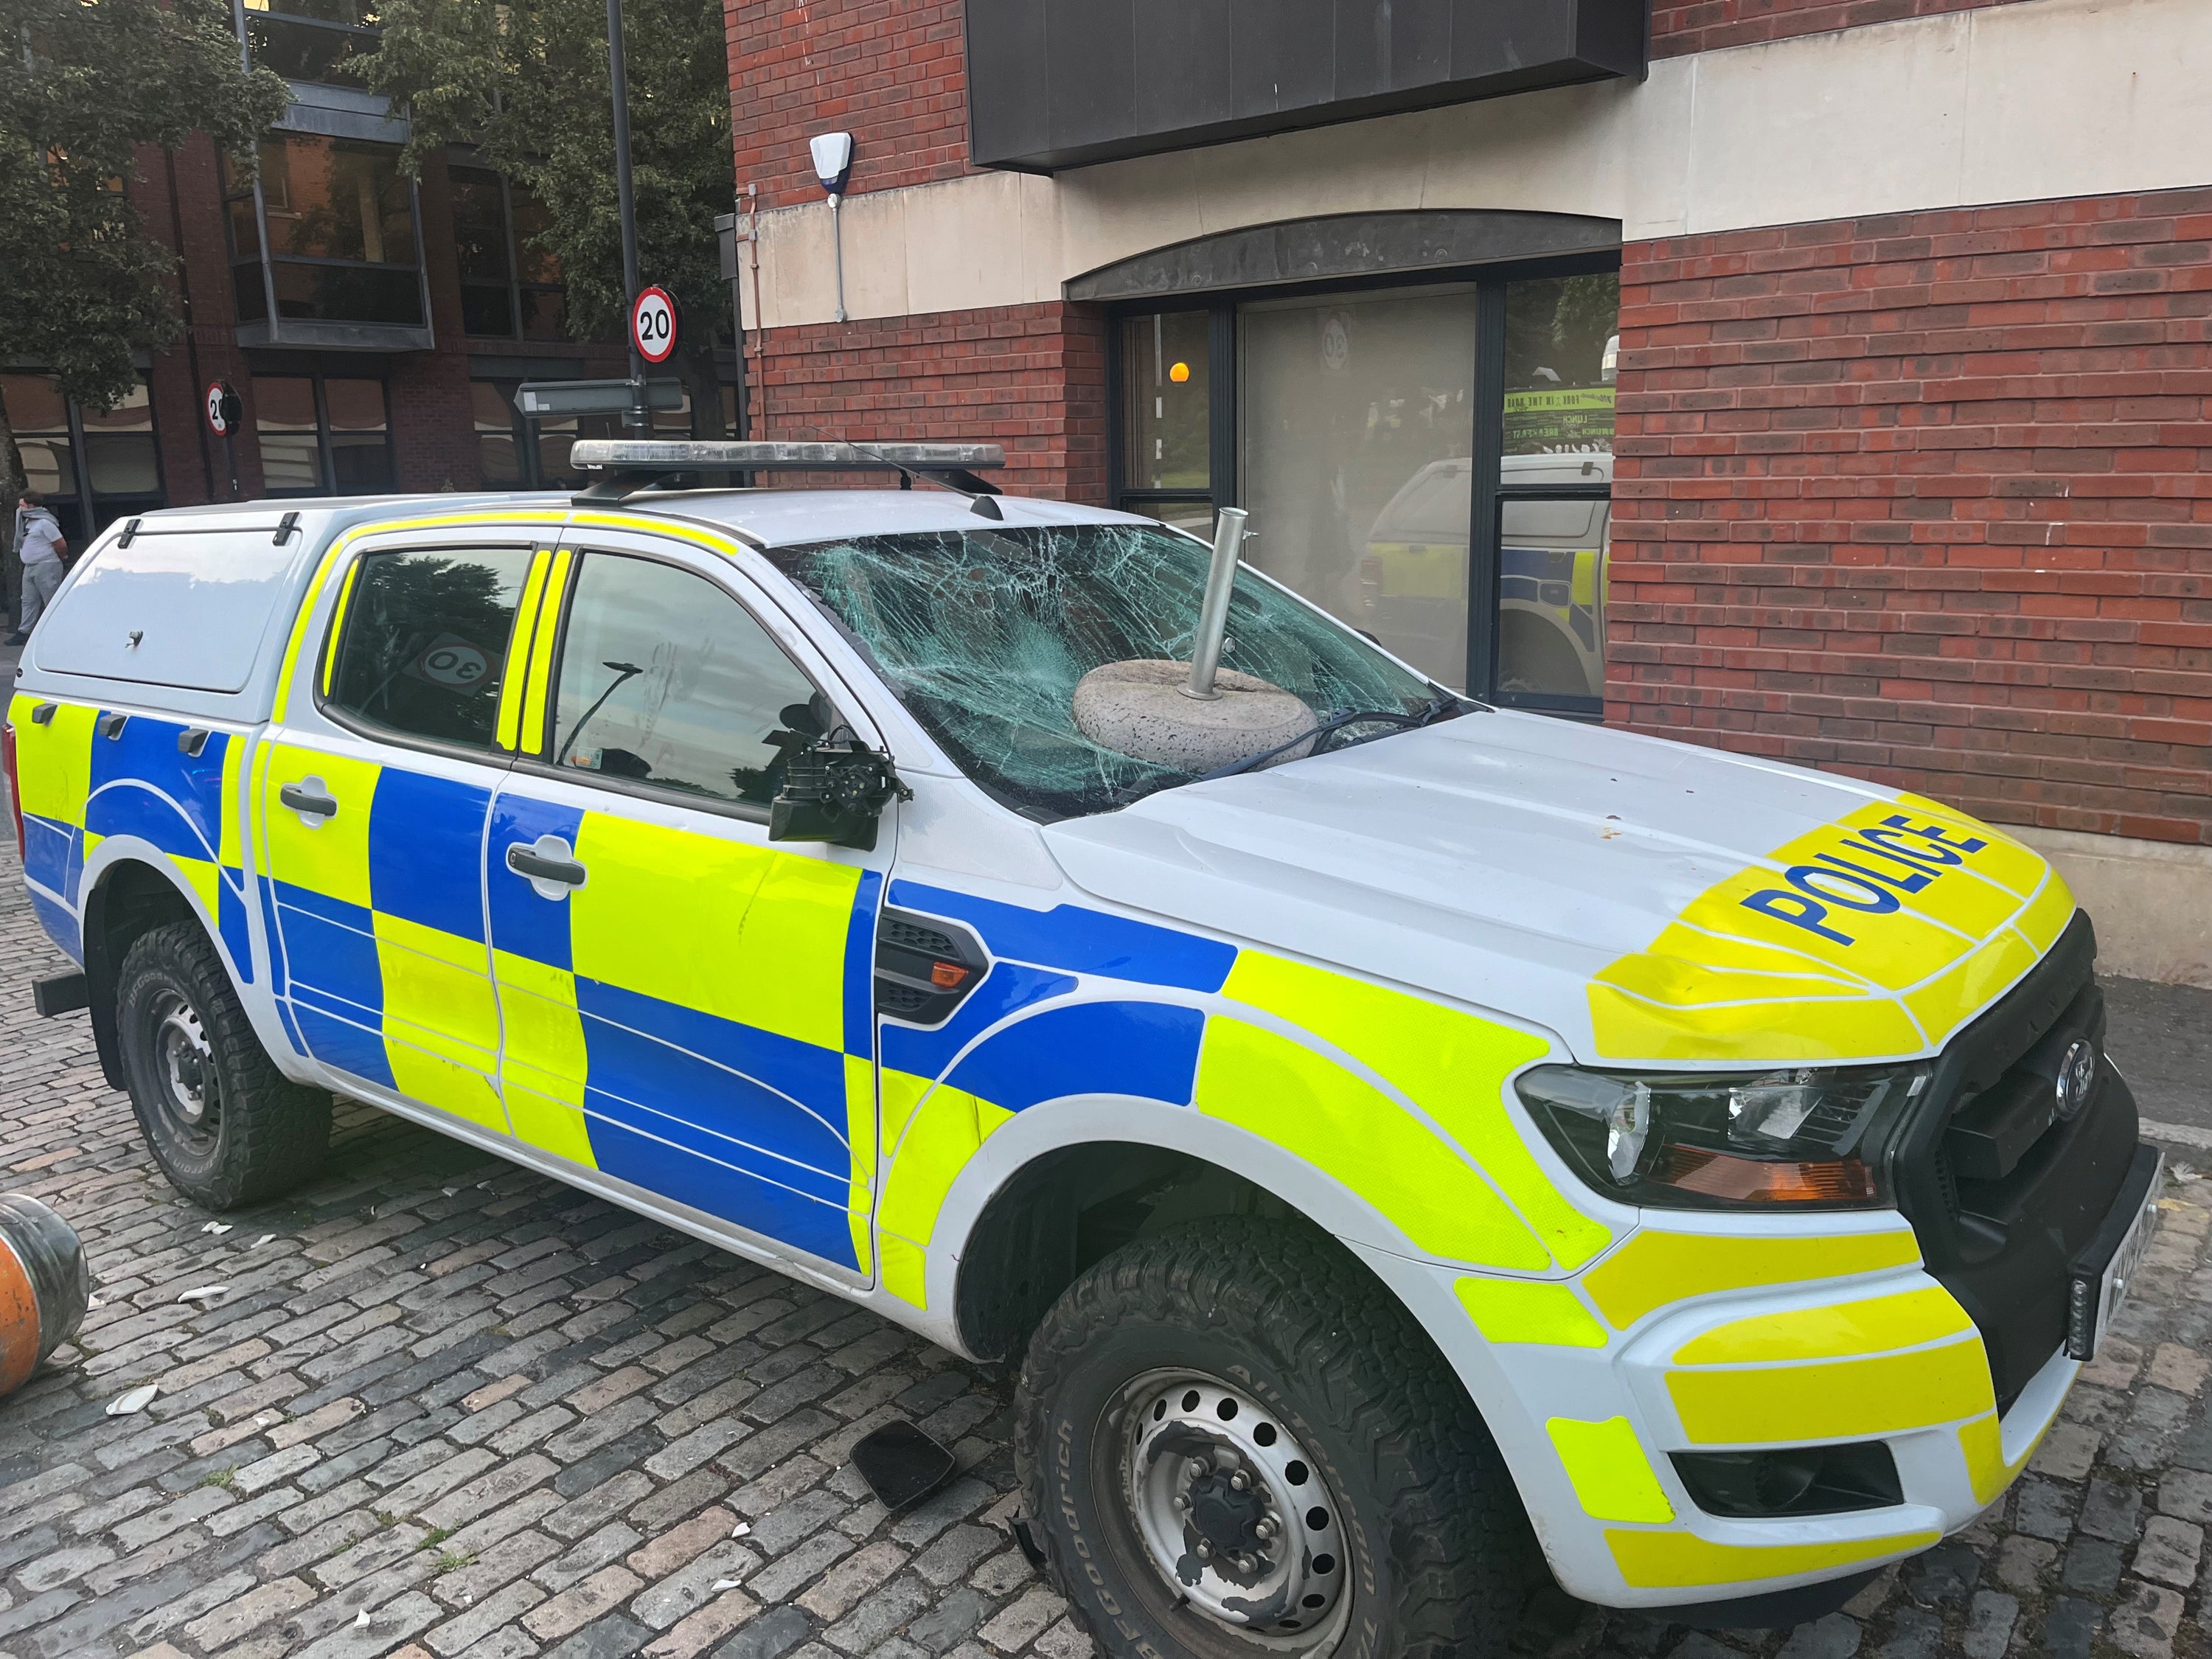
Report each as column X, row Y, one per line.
column 226, row 1126
column 1236, row 1444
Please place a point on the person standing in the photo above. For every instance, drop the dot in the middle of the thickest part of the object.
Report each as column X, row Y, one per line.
column 41, row 547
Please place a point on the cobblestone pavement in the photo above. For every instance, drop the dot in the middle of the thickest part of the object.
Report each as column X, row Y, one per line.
column 445, row 1407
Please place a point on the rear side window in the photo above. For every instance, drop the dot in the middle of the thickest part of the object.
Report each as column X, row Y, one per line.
column 422, row 642
column 667, row 680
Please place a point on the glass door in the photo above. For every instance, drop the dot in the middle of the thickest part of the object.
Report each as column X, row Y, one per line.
column 1167, row 416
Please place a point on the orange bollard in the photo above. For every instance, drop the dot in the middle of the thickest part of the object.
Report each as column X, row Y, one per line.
column 44, row 1286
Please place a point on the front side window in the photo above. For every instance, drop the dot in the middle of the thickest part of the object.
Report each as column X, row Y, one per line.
column 984, row 635
column 422, row 642
column 666, row 680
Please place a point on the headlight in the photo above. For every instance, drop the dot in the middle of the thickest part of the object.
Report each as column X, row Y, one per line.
column 1723, row 1140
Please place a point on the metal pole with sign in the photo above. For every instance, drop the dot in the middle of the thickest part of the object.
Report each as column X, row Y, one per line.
column 636, row 418
column 224, row 412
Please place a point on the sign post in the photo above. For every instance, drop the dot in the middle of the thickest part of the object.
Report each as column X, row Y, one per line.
column 224, row 412
column 636, row 419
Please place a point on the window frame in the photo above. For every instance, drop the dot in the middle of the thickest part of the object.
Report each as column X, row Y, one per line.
column 266, row 260
column 100, row 508
column 1485, row 509
column 340, row 583
column 326, row 472
column 539, row 763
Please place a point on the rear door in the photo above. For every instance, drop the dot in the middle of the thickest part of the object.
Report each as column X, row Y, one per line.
column 687, row 1004
column 375, row 792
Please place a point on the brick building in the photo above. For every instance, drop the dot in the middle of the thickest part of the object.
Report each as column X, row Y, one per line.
column 1830, row 379
column 374, row 328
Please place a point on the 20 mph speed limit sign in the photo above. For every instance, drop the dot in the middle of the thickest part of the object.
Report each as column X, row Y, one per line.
column 223, row 410
column 652, row 325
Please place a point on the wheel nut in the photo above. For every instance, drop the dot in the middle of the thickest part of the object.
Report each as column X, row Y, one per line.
column 1239, row 1481
column 1265, row 1529
column 1204, row 1550
column 1247, row 1563
column 1195, row 1468
column 1179, row 1503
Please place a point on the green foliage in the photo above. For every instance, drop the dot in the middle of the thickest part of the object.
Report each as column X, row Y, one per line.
column 528, row 83
column 81, row 283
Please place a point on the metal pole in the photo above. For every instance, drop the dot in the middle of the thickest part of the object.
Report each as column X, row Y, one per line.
column 626, row 206
column 838, row 239
column 1213, row 610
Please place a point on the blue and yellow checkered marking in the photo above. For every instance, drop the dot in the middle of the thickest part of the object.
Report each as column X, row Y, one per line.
column 695, row 1020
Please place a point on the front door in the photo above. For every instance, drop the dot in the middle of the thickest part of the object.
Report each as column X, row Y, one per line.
column 374, row 796
column 687, row 1006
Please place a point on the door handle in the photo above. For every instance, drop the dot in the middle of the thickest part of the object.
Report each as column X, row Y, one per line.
column 306, row 802
column 534, row 866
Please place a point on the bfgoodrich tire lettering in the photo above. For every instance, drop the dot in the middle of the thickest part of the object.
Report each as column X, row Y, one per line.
column 1237, row 1318
column 226, row 1126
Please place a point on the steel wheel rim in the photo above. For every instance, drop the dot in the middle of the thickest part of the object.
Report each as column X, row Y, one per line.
column 186, row 1086
column 1232, row 1513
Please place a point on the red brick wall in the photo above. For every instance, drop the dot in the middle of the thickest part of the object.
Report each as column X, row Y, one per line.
column 1031, row 377
column 1681, row 26
column 1927, row 498
column 892, row 73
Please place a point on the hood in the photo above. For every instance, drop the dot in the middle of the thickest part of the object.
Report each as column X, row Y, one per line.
column 1649, row 902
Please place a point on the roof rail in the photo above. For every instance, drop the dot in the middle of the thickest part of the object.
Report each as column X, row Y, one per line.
column 635, row 464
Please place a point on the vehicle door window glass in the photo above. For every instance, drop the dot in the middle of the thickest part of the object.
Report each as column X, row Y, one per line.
column 423, row 642
column 665, row 679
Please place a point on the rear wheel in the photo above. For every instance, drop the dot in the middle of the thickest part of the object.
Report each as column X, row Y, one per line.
column 226, row 1126
column 1236, row 1444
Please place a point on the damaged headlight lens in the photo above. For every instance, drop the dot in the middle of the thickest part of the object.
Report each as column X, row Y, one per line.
column 1725, row 1140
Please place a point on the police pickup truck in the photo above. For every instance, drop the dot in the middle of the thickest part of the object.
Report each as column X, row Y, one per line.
column 1444, row 1135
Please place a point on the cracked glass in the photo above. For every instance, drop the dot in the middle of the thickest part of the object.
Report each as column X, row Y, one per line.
column 983, row 635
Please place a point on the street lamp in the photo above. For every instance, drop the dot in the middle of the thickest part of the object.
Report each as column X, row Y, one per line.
column 833, row 165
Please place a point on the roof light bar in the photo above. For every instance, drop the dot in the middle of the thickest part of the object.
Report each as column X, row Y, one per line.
column 704, row 455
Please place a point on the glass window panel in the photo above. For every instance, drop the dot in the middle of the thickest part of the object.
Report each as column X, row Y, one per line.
column 34, row 402
column 1165, row 400
column 544, row 315
column 355, row 294
column 1358, row 427
column 666, row 679
column 499, row 464
column 122, row 463
column 676, row 422
column 424, row 642
column 245, row 228
column 337, row 198
column 479, row 224
column 355, row 405
column 48, row 465
column 1551, row 600
column 252, row 297
column 361, row 463
column 306, row 51
column 1561, row 335
column 284, row 421
column 133, row 413
column 531, row 222
column 1196, row 517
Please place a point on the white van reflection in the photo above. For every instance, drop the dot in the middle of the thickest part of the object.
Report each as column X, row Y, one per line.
column 1411, row 586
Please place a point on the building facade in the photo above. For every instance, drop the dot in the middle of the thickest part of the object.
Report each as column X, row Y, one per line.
column 1824, row 379
column 375, row 328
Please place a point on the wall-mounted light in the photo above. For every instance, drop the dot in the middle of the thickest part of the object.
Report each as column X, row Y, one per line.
column 833, row 166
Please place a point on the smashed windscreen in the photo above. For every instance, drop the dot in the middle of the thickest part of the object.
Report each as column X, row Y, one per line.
column 985, row 634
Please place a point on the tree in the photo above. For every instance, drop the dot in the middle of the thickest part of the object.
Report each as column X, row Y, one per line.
column 83, row 84
column 527, row 82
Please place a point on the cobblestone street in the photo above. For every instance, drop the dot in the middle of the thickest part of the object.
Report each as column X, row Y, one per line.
column 445, row 1407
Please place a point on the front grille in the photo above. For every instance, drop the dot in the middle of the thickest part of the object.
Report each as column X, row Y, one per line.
column 2003, row 1245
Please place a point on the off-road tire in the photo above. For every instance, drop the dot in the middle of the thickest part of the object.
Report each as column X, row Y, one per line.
column 1438, row 1544
column 269, row 1133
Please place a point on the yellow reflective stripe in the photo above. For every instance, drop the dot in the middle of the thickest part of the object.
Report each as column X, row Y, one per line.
column 543, row 1060
column 539, row 687
column 1842, row 1330
column 1528, row 1311
column 230, row 843
column 1610, row 1473
column 1835, row 1399
column 905, row 1269
column 681, row 532
column 516, row 669
column 1452, row 1065
column 292, row 647
column 328, row 856
column 1656, row 1268
column 436, row 1081
column 53, row 761
column 860, row 1137
column 1982, row 1443
column 200, row 876
column 1285, row 1093
column 929, row 1135
column 338, row 624
column 1678, row 1561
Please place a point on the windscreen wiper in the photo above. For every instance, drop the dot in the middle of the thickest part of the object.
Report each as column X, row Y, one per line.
column 1422, row 716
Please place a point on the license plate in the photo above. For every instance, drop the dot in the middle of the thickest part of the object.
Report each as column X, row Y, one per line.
column 2099, row 1295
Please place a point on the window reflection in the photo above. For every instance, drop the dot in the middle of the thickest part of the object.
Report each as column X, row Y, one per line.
column 1358, row 424
column 338, row 227
column 321, row 433
column 92, row 465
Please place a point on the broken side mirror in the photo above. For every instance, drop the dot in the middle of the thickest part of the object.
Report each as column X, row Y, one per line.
column 834, row 790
